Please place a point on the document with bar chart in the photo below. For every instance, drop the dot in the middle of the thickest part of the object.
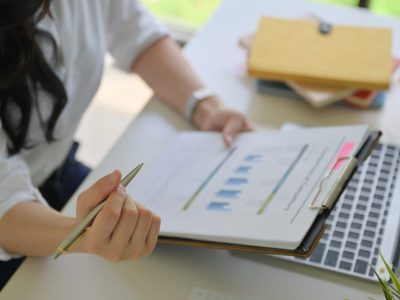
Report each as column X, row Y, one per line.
column 257, row 192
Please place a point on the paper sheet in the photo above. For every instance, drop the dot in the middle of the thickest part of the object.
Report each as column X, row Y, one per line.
column 257, row 192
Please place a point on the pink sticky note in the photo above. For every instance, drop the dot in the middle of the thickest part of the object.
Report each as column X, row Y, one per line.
column 344, row 152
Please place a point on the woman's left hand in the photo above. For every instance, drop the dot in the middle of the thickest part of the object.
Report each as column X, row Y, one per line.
column 211, row 115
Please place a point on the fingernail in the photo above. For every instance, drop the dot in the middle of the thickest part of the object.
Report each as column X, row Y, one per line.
column 121, row 190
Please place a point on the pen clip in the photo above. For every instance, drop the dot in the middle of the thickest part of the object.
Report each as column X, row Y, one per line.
column 61, row 251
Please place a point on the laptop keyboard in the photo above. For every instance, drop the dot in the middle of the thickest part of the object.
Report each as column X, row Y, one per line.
column 357, row 223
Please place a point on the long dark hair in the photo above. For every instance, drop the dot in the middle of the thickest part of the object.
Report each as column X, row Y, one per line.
column 24, row 70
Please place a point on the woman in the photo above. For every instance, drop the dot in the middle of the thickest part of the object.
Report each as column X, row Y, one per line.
column 51, row 61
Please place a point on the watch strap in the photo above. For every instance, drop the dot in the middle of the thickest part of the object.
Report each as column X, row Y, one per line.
column 196, row 97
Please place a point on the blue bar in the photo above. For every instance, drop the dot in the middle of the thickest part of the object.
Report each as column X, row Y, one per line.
column 228, row 193
column 255, row 158
column 237, row 181
column 218, row 206
column 243, row 169
column 203, row 185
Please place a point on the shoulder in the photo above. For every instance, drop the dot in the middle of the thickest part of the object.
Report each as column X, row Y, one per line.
column 68, row 9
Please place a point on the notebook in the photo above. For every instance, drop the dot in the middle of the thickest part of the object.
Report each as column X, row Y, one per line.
column 362, row 99
column 276, row 88
column 296, row 50
column 359, row 99
column 320, row 96
column 377, row 102
column 270, row 192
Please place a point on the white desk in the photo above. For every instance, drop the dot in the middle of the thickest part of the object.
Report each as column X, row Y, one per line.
column 172, row 272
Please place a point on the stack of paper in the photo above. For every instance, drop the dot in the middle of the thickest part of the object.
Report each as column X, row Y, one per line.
column 323, row 63
column 361, row 99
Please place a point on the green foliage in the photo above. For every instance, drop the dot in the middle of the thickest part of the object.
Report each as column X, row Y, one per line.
column 391, row 291
column 383, row 7
column 341, row 2
column 189, row 12
column 196, row 12
column 386, row 7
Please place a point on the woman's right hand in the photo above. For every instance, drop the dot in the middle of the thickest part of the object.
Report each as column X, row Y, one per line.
column 123, row 230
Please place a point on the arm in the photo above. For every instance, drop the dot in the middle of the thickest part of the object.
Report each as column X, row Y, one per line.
column 33, row 229
column 124, row 229
column 169, row 74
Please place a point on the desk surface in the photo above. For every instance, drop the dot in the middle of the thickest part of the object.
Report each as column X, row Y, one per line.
column 176, row 272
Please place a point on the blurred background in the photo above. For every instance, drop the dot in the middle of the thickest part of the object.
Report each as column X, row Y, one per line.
column 194, row 13
column 121, row 96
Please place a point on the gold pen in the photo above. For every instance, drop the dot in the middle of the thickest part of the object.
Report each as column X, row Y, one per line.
column 81, row 228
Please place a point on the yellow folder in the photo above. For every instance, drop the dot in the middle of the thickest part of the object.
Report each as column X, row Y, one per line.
column 346, row 56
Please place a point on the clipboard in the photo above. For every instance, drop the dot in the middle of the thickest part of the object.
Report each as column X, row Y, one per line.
column 318, row 227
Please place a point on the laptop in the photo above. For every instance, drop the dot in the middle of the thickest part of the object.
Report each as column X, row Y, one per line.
column 364, row 221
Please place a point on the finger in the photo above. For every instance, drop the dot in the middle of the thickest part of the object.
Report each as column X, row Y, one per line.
column 232, row 128
column 152, row 236
column 138, row 240
column 107, row 219
column 101, row 189
column 249, row 126
column 126, row 225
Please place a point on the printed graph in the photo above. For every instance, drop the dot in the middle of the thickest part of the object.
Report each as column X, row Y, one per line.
column 243, row 181
column 235, row 184
column 207, row 180
column 282, row 180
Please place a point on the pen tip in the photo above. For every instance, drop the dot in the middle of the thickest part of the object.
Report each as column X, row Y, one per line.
column 131, row 175
column 137, row 169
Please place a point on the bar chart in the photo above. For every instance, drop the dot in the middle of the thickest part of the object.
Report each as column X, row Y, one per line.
column 235, row 184
column 233, row 188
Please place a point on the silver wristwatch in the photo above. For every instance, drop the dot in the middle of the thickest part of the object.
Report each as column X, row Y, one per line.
column 197, row 96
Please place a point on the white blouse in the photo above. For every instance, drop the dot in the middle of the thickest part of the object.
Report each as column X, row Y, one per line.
column 84, row 31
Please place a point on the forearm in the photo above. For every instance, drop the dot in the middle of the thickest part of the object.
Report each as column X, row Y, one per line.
column 173, row 80
column 32, row 229
column 168, row 73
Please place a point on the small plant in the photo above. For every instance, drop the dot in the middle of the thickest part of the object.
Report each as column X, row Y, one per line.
column 391, row 290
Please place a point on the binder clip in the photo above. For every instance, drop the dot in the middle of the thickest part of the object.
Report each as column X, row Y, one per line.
column 337, row 187
column 325, row 27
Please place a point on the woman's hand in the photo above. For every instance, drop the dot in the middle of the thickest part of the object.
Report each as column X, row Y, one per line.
column 124, row 229
column 211, row 115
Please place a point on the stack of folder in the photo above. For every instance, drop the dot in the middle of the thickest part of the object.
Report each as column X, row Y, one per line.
column 322, row 63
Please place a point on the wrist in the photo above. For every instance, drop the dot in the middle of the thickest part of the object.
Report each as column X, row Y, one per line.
column 77, row 246
column 196, row 98
column 204, row 109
